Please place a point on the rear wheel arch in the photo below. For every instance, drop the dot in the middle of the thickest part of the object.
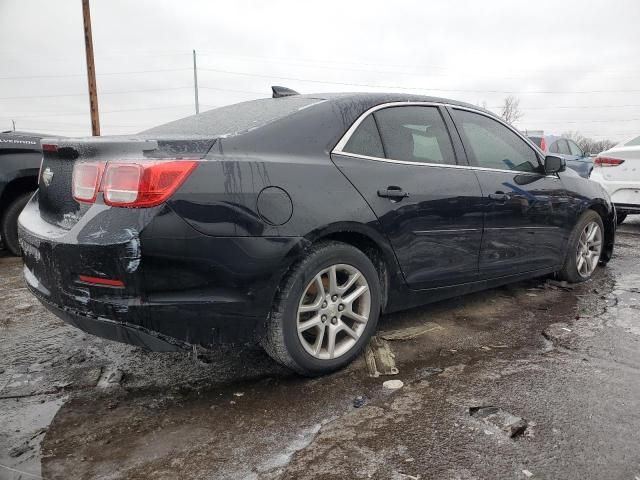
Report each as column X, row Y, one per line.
column 609, row 231
column 279, row 338
column 373, row 245
column 15, row 188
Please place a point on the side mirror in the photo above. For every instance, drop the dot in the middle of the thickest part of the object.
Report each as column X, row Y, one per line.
column 553, row 164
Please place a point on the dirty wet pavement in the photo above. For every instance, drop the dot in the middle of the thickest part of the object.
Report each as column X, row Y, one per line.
column 533, row 380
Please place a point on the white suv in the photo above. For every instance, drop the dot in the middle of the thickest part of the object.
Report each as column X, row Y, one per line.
column 618, row 171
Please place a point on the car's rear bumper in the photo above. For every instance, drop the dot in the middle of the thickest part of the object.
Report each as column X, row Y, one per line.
column 624, row 195
column 628, row 208
column 180, row 287
column 117, row 331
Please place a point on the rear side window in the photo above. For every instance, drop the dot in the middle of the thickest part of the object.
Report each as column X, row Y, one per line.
column 415, row 134
column 493, row 145
column 366, row 140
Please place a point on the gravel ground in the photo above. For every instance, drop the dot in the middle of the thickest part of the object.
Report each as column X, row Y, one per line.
column 557, row 367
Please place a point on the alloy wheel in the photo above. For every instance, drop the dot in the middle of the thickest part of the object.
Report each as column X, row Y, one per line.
column 333, row 311
column 589, row 249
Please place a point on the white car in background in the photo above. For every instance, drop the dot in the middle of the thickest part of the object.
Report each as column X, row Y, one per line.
column 618, row 171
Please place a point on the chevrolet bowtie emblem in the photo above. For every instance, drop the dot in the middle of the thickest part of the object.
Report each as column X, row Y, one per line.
column 47, row 176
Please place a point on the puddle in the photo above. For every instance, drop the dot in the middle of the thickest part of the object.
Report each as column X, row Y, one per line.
column 24, row 422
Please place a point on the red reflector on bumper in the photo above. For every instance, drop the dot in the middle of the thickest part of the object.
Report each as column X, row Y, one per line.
column 107, row 282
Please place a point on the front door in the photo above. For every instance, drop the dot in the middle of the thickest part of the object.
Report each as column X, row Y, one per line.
column 526, row 216
column 402, row 160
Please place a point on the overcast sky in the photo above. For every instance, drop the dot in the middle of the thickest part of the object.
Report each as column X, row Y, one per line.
column 574, row 65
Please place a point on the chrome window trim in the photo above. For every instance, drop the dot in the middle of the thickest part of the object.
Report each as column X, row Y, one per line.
column 339, row 148
column 347, row 136
column 526, row 140
column 441, row 165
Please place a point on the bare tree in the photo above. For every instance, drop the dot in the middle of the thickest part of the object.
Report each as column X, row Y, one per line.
column 510, row 110
column 590, row 145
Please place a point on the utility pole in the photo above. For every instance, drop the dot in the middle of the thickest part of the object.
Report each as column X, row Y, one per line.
column 13, row 122
column 91, row 70
column 195, row 82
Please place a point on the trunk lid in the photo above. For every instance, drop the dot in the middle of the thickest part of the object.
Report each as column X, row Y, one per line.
column 60, row 155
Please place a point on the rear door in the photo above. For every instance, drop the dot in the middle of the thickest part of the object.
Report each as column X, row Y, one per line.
column 403, row 161
column 525, row 211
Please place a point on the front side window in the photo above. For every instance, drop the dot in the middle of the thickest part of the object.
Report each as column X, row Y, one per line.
column 493, row 145
column 415, row 134
column 574, row 149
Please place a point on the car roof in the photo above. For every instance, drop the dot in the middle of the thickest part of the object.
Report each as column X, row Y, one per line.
column 241, row 118
column 376, row 98
column 19, row 133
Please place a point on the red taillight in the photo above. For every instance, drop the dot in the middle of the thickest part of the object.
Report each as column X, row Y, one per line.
column 49, row 147
column 144, row 183
column 543, row 145
column 607, row 162
column 107, row 282
column 141, row 183
column 86, row 181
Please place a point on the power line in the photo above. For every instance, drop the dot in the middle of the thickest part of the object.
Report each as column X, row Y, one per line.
column 101, row 93
column 133, row 91
column 625, row 120
column 397, row 87
column 551, row 107
column 411, row 66
column 62, row 114
column 65, row 75
column 234, row 90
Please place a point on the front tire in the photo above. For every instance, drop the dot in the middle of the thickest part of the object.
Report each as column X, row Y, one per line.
column 325, row 311
column 585, row 248
column 9, row 227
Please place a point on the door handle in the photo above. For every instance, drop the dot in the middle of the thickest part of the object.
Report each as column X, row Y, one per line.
column 393, row 192
column 500, row 196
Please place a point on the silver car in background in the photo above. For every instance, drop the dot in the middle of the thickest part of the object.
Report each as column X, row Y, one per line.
column 576, row 159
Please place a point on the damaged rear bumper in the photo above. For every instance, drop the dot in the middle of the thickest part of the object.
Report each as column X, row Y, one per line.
column 117, row 331
column 179, row 287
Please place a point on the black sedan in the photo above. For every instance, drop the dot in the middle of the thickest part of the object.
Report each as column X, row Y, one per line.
column 295, row 221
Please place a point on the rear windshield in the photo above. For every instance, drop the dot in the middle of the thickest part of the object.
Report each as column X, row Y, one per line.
column 635, row 141
column 235, row 119
column 537, row 141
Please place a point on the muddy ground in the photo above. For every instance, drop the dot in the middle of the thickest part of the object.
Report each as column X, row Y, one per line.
column 560, row 365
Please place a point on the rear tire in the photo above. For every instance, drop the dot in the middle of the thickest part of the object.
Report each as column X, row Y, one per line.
column 9, row 227
column 584, row 248
column 319, row 325
column 621, row 218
